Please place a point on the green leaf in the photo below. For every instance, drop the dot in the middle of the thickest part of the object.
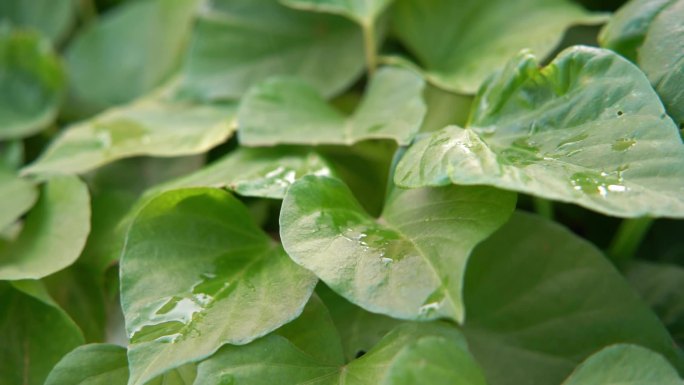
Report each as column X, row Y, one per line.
column 127, row 52
column 231, row 49
column 624, row 364
column 35, row 333
column 31, row 83
column 364, row 12
column 159, row 125
column 359, row 329
column 408, row 263
column 231, row 283
column 662, row 58
column 540, row 300
column 289, row 357
column 94, row 364
column 459, row 43
column 54, row 234
column 17, row 195
column 254, row 172
column 587, row 129
column 286, row 110
column 184, row 375
column 626, row 30
column 660, row 285
column 53, row 18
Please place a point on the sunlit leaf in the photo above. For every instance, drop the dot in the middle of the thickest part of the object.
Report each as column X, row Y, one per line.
column 54, row 233
column 231, row 283
column 459, row 43
column 540, row 300
column 290, row 111
column 587, row 129
column 364, row 12
column 17, row 195
column 31, row 83
column 409, row 262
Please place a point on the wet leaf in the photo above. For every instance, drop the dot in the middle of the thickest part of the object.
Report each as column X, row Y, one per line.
column 231, row 50
column 459, row 43
column 231, row 283
column 290, row 111
column 409, row 263
column 54, row 233
column 32, row 83
column 587, row 129
column 540, row 300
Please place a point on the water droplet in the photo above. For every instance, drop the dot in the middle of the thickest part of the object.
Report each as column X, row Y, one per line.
column 522, row 152
column 598, row 183
column 623, row 144
column 386, row 261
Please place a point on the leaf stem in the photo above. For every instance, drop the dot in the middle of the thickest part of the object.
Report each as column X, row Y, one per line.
column 628, row 238
column 369, row 46
column 543, row 207
column 88, row 11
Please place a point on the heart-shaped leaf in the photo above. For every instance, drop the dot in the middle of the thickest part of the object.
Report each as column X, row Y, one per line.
column 540, row 300
column 53, row 18
column 624, row 364
column 409, row 263
column 254, row 172
column 459, row 43
column 94, row 364
column 17, row 195
column 412, row 353
column 231, row 50
column 231, row 283
column 159, row 125
column 31, row 83
column 152, row 33
column 34, row 331
column 54, row 233
column 586, row 129
column 290, row 111
column 651, row 33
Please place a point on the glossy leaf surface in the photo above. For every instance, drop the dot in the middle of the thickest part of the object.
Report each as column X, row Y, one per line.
column 153, row 34
column 31, row 83
column 540, row 300
column 35, row 333
column 297, row 354
column 17, row 195
column 255, row 172
column 94, row 364
column 409, row 263
column 587, row 129
column 156, row 126
column 54, row 233
column 231, row 283
column 459, row 43
column 231, row 50
column 291, row 111
column 625, row 364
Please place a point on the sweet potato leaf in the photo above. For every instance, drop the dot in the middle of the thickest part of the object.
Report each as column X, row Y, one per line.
column 32, row 83
column 53, row 18
column 93, row 364
column 364, row 12
column 289, row 111
column 231, row 283
column 459, row 43
column 54, row 234
column 540, row 300
column 409, row 263
column 17, row 195
column 587, row 129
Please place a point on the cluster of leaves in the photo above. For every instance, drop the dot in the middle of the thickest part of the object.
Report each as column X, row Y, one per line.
column 245, row 192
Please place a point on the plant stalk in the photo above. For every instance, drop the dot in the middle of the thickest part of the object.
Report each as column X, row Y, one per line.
column 543, row 207
column 369, row 46
column 628, row 238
